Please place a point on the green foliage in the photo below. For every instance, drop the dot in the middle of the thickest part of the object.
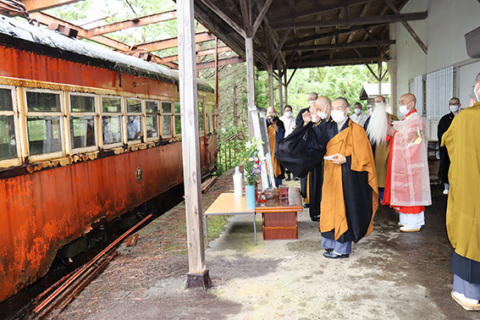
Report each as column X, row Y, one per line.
column 229, row 149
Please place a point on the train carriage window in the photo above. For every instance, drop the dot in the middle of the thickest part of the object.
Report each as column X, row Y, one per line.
column 209, row 118
column 8, row 143
column 111, row 120
column 166, row 119
column 134, row 119
column 201, row 121
column 82, row 121
column 44, row 122
column 178, row 120
column 152, row 119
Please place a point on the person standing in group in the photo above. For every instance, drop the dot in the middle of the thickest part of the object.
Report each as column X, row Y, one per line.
column 407, row 187
column 289, row 123
column 443, row 125
column 463, row 219
column 320, row 115
column 276, row 132
column 358, row 116
column 312, row 97
column 349, row 191
column 377, row 133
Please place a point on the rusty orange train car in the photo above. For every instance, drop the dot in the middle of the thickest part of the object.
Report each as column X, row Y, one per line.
column 85, row 134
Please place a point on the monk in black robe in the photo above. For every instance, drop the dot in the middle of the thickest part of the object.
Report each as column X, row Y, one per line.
column 349, row 192
column 443, row 125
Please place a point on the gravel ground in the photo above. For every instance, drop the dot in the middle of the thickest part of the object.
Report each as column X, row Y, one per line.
column 389, row 275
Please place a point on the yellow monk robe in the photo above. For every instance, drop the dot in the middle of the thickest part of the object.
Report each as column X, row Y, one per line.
column 462, row 140
column 352, row 142
column 277, row 170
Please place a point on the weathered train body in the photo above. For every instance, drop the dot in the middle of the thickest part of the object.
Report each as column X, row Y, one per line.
column 86, row 134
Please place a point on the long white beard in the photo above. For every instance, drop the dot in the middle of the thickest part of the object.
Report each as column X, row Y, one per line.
column 378, row 126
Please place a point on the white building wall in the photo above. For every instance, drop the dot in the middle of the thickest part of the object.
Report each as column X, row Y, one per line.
column 443, row 33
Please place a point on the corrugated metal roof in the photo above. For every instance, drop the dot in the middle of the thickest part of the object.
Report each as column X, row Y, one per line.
column 63, row 45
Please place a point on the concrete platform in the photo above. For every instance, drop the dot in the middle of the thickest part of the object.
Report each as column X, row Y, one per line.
column 389, row 275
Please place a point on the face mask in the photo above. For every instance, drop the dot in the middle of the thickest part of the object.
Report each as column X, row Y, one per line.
column 403, row 109
column 310, row 102
column 338, row 116
column 288, row 114
column 454, row 108
column 322, row 115
column 315, row 118
column 357, row 111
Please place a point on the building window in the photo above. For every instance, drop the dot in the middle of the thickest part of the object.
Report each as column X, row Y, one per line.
column 178, row 120
column 152, row 119
column 134, row 119
column 111, row 120
column 166, row 119
column 82, row 121
column 44, row 122
column 439, row 92
column 8, row 143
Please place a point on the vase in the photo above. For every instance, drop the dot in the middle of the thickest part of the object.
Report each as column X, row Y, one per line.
column 250, row 195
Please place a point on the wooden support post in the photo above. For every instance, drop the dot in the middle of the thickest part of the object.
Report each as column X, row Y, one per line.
column 217, row 93
column 380, row 77
column 285, row 82
column 250, row 83
column 270, row 85
column 198, row 275
column 280, row 86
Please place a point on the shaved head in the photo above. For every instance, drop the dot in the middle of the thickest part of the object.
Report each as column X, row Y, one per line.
column 408, row 97
column 341, row 101
column 379, row 99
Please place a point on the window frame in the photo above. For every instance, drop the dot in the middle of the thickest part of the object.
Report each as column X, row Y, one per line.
column 103, row 114
column 172, row 118
column 18, row 160
column 202, row 101
column 60, row 114
column 142, row 120
column 154, row 114
column 93, row 114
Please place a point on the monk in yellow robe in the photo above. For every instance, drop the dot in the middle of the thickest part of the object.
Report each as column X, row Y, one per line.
column 350, row 191
column 463, row 208
column 276, row 132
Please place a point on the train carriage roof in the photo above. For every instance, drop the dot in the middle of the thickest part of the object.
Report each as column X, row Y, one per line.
column 28, row 37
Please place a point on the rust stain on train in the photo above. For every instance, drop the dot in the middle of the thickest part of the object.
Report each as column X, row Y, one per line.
column 49, row 208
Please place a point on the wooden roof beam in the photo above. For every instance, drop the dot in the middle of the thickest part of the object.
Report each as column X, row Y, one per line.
column 137, row 22
column 224, row 17
column 39, row 5
column 319, row 9
column 408, row 27
column 171, row 43
column 334, row 62
column 199, row 53
column 223, row 62
column 360, row 44
column 386, row 19
column 261, row 15
column 46, row 19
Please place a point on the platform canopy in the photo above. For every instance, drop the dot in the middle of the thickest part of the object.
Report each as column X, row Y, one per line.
column 306, row 33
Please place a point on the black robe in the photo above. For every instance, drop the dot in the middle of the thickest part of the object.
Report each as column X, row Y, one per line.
column 356, row 191
column 443, row 126
column 303, row 180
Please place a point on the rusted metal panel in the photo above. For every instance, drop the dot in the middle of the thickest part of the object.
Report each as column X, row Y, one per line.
column 43, row 211
column 27, row 65
column 38, row 5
